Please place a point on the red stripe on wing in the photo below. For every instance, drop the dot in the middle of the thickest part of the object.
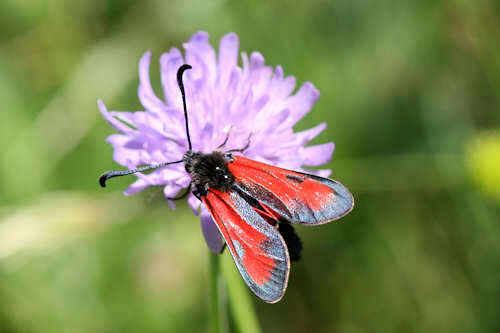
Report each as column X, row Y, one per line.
column 299, row 197
column 257, row 248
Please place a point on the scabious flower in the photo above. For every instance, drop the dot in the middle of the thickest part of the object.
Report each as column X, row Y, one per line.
column 222, row 99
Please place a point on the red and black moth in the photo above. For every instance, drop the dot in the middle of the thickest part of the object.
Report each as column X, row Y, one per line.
column 253, row 205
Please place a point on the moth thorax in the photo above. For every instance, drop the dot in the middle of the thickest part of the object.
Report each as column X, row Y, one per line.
column 209, row 171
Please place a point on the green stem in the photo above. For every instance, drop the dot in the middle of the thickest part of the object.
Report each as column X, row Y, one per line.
column 214, row 293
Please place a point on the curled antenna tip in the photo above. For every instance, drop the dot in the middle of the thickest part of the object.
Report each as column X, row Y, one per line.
column 184, row 67
column 103, row 178
column 181, row 71
column 114, row 173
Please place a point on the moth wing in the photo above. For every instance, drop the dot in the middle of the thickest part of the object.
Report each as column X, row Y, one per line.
column 257, row 248
column 298, row 197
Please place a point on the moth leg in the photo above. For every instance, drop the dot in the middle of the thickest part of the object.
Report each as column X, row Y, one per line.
column 227, row 138
column 183, row 195
column 242, row 149
column 197, row 194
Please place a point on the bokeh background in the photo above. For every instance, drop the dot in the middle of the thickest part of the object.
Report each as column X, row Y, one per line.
column 411, row 92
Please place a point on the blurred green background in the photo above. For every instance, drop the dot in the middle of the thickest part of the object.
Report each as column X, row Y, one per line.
column 411, row 93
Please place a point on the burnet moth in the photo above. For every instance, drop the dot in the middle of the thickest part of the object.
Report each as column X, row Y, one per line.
column 253, row 205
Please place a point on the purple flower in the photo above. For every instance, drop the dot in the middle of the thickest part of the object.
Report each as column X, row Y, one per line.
column 222, row 98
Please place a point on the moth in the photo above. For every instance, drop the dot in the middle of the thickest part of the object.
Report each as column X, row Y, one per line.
column 253, row 205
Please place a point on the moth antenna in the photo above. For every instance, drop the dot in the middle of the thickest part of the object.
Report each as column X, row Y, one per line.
column 180, row 71
column 119, row 173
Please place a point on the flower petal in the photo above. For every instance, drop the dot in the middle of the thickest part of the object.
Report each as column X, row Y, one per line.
column 281, row 87
column 305, row 136
column 194, row 203
column 260, row 75
column 211, row 233
column 228, row 57
column 145, row 91
column 171, row 191
column 273, row 123
column 121, row 154
column 206, row 135
column 302, row 102
column 118, row 140
column 118, row 125
column 325, row 173
column 256, row 62
column 137, row 186
column 318, row 155
column 169, row 64
column 201, row 55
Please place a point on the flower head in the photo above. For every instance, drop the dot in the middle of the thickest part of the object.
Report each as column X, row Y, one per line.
column 223, row 100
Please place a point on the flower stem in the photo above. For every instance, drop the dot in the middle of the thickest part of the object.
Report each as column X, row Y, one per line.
column 215, row 302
